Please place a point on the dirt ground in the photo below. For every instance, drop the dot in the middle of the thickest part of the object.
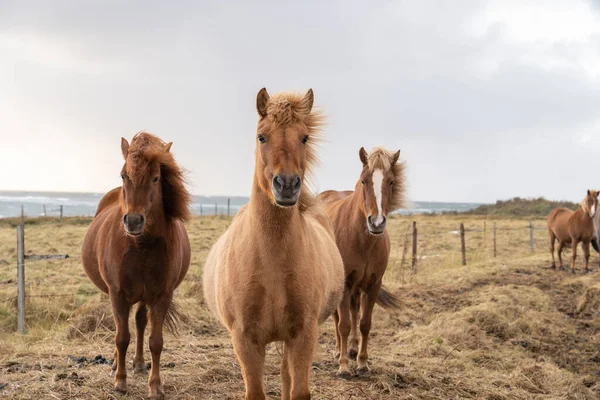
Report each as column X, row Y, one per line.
column 499, row 328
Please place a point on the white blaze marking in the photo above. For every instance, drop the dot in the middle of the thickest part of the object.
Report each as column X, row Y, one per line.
column 593, row 211
column 378, row 188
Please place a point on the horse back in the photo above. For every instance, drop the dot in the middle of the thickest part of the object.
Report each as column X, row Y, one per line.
column 330, row 196
column 109, row 198
column 558, row 223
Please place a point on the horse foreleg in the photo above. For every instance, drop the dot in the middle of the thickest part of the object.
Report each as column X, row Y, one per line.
column 353, row 345
column 367, row 303
column 574, row 244
column 336, row 321
column 586, row 254
column 552, row 240
column 121, row 315
column 158, row 313
column 141, row 320
column 251, row 356
column 286, row 379
column 301, row 350
column 344, row 329
column 561, row 246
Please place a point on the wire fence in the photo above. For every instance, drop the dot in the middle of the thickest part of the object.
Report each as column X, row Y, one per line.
column 226, row 209
column 411, row 247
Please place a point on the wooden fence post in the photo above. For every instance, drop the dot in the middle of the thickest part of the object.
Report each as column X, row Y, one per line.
column 200, row 209
column 216, row 211
column 462, row 244
column 21, row 278
column 531, row 236
column 414, row 248
column 61, row 213
column 45, row 214
column 494, row 240
column 228, row 206
column 483, row 239
column 22, row 215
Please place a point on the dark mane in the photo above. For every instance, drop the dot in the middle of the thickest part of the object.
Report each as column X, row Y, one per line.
column 147, row 149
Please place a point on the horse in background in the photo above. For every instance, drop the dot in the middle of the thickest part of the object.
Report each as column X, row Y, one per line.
column 573, row 227
column 276, row 273
column 137, row 250
column 359, row 220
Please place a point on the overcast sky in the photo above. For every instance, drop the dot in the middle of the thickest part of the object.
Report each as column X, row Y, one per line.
column 486, row 99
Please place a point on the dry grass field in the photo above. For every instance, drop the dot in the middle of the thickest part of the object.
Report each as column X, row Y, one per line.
column 499, row 328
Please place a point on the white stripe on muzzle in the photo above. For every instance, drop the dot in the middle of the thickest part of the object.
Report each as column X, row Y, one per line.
column 378, row 188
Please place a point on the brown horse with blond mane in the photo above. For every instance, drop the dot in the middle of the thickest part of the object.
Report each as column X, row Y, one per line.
column 137, row 250
column 359, row 220
column 276, row 273
column 573, row 227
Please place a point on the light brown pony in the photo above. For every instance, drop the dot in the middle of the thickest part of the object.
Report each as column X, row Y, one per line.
column 276, row 273
column 359, row 220
column 137, row 250
column 570, row 227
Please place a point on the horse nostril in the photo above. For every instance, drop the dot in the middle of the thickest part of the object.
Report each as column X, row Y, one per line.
column 296, row 184
column 125, row 219
column 141, row 219
column 383, row 220
column 277, row 183
column 369, row 220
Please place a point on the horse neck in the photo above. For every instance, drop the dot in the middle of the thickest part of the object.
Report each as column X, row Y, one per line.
column 272, row 219
column 157, row 221
column 582, row 214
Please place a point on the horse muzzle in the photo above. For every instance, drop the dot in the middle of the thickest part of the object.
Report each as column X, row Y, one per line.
column 286, row 189
column 376, row 227
column 134, row 223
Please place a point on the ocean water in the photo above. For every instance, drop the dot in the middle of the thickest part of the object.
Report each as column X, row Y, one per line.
column 84, row 204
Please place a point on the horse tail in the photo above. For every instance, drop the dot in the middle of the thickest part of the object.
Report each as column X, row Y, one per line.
column 173, row 317
column 388, row 300
column 595, row 245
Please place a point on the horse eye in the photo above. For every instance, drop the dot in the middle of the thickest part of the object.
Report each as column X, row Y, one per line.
column 155, row 179
column 305, row 139
column 363, row 182
column 391, row 183
column 122, row 176
column 262, row 139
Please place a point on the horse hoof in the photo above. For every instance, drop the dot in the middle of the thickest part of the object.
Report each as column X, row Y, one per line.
column 352, row 354
column 121, row 388
column 159, row 395
column 553, row 267
column 344, row 375
column 363, row 371
column 140, row 369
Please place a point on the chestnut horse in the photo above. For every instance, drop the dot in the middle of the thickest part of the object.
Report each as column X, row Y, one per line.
column 572, row 227
column 137, row 250
column 276, row 273
column 359, row 220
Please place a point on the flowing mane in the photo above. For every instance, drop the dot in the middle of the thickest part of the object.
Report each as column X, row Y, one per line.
column 147, row 149
column 287, row 107
column 380, row 158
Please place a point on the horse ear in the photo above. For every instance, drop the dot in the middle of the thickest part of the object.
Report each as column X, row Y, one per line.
column 588, row 192
column 124, row 147
column 307, row 102
column 261, row 102
column 168, row 147
column 396, row 157
column 364, row 157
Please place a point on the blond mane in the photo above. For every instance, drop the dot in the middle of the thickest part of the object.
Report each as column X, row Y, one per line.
column 285, row 108
column 380, row 158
